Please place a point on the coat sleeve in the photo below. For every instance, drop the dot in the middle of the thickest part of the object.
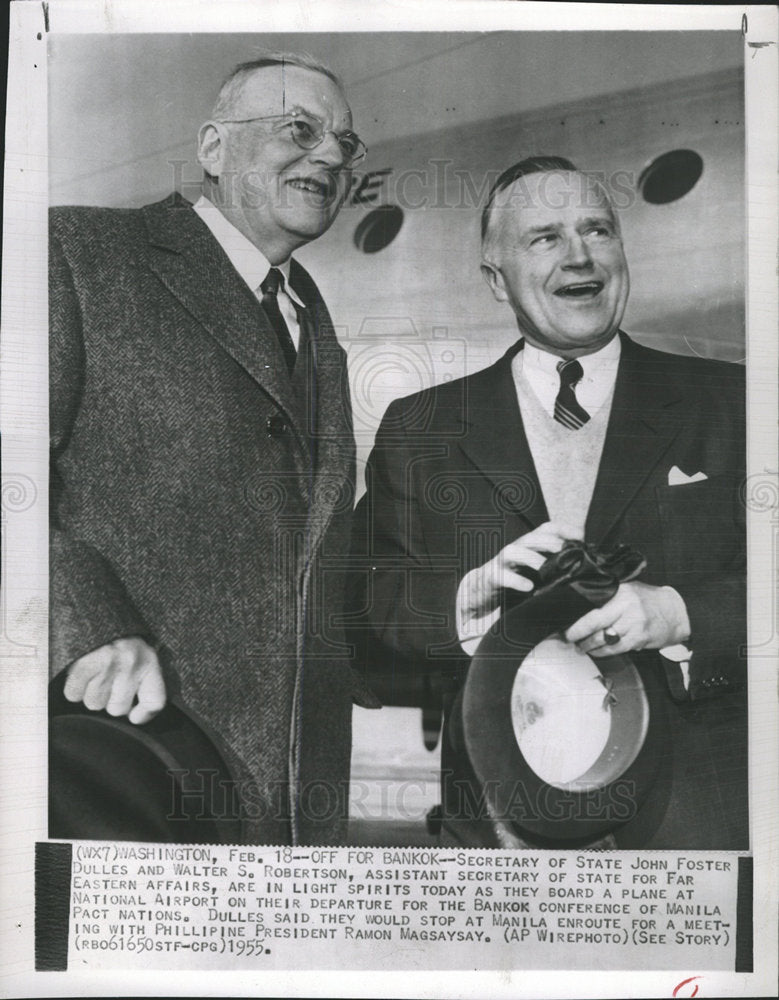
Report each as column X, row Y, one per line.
column 714, row 587
column 89, row 605
column 404, row 583
column 717, row 611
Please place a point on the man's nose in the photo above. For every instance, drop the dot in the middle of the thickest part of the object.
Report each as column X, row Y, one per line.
column 577, row 253
column 329, row 151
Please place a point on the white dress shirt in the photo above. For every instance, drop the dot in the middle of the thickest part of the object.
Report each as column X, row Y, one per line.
column 251, row 263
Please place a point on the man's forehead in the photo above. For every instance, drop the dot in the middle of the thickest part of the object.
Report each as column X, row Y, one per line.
column 553, row 195
column 277, row 89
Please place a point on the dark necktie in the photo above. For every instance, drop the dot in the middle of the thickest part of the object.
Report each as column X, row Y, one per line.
column 566, row 408
column 270, row 303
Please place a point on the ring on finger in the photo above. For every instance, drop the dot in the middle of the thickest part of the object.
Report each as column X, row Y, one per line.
column 610, row 637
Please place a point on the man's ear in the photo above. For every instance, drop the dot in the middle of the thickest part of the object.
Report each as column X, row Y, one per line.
column 494, row 279
column 211, row 148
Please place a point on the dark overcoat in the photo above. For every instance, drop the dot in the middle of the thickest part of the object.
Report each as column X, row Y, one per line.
column 202, row 502
column 451, row 481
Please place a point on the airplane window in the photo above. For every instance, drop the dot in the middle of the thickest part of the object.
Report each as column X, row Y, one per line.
column 670, row 176
column 378, row 229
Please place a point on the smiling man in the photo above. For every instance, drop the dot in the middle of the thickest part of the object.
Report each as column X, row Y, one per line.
column 201, row 452
column 576, row 432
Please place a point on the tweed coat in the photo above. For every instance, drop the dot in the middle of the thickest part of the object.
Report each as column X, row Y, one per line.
column 451, row 480
column 201, row 501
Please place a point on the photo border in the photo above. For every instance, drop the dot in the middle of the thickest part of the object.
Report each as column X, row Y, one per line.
column 25, row 463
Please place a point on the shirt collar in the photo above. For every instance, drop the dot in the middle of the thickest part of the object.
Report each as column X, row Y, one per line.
column 538, row 370
column 246, row 258
column 600, row 363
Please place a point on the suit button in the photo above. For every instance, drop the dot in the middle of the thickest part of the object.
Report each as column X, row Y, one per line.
column 276, row 426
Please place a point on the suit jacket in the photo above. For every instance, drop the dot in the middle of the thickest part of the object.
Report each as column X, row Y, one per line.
column 451, row 481
column 199, row 501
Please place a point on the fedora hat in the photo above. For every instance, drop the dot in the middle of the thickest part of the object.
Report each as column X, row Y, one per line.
column 165, row 781
column 565, row 747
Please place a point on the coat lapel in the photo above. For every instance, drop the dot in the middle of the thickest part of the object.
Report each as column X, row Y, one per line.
column 496, row 444
column 193, row 267
column 329, row 413
column 644, row 420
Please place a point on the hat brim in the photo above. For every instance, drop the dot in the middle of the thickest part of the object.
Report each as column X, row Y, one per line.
column 165, row 781
column 609, row 791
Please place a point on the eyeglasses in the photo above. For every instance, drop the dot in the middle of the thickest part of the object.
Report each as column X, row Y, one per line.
column 308, row 132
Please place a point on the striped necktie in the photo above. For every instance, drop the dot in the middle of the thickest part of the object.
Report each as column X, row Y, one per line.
column 567, row 410
column 270, row 303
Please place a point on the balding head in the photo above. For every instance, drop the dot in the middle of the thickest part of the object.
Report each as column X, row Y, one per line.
column 228, row 102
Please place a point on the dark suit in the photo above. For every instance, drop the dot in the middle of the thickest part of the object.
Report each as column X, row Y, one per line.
column 200, row 501
column 451, row 481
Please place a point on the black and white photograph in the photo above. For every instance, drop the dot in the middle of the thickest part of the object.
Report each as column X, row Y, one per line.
column 390, row 521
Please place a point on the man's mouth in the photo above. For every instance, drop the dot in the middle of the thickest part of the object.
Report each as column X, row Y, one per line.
column 580, row 290
column 313, row 185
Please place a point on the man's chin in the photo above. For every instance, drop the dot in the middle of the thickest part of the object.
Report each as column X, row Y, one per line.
column 570, row 342
column 590, row 340
column 312, row 227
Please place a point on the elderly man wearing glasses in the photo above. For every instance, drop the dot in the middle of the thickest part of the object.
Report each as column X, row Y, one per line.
column 203, row 455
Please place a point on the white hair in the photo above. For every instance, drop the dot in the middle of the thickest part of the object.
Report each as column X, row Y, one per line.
column 230, row 91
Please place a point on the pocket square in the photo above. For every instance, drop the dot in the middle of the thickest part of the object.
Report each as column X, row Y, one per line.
column 678, row 478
